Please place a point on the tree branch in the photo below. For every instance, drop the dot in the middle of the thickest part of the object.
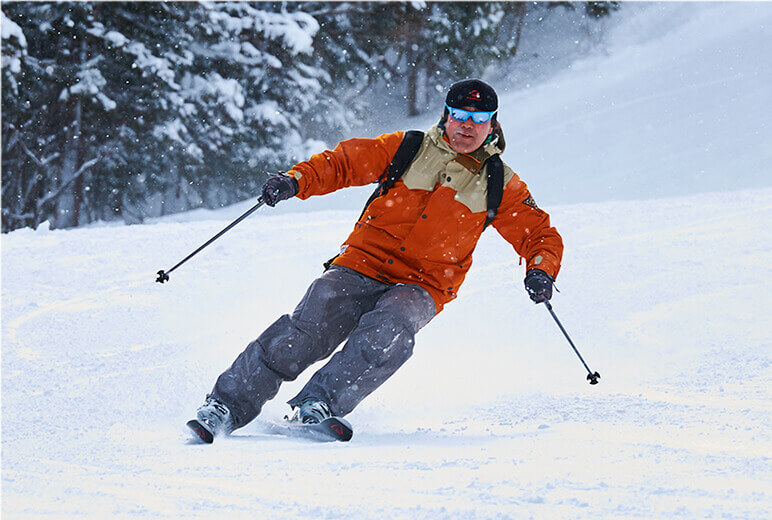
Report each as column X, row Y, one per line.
column 23, row 216
column 339, row 9
column 55, row 195
column 41, row 163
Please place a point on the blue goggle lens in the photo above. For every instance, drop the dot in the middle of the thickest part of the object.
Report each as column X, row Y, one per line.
column 462, row 115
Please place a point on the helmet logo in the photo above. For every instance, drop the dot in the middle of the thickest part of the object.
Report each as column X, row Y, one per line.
column 474, row 95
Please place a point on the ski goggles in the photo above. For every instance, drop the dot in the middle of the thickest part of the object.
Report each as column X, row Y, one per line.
column 461, row 115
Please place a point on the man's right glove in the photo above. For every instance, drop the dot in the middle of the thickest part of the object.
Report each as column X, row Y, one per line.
column 539, row 285
column 278, row 188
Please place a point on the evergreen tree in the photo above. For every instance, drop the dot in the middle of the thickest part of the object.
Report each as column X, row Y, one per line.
column 461, row 42
column 143, row 103
column 39, row 160
column 351, row 43
column 132, row 109
column 25, row 158
column 98, row 93
column 419, row 47
column 254, row 81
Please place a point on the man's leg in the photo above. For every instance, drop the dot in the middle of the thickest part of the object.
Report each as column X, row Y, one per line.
column 328, row 312
column 378, row 346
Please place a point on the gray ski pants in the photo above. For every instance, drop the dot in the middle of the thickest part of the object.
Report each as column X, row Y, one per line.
column 379, row 320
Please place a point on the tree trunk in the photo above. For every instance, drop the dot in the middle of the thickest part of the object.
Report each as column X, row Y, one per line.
column 412, row 84
column 69, row 202
column 522, row 9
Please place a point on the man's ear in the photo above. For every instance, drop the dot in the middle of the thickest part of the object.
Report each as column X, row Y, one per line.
column 443, row 120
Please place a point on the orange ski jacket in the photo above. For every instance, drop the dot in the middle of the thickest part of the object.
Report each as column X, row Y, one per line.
column 423, row 230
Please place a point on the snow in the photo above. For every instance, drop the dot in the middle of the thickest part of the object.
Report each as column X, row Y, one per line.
column 672, row 115
column 492, row 417
column 294, row 30
column 10, row 29
column 116, row 38
column 150, row 63
column 268, row 111
column 90, row 81
column 666, row 293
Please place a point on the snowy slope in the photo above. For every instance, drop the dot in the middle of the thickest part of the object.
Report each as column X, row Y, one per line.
column 492, row 418
column 684, row 110
column 675, row 101
column 667, row 298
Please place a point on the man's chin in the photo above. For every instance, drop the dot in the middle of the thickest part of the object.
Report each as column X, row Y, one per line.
column 463, row 144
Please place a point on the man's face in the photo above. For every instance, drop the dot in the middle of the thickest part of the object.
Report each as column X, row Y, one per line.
column 466, row 136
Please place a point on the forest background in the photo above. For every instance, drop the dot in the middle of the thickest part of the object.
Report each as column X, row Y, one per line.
column 129, row 110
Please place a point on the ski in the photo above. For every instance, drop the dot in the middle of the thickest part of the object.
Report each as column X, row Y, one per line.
column 200, row 432
column 329, row 430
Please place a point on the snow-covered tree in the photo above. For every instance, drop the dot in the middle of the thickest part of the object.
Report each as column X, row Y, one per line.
column 119, row 107
column 95, row 80
column 131, row 109
column 23, row 171
column 415, row 47
column 250, row 88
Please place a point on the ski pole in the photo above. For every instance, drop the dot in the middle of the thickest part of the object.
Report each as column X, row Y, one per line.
column 592, row 377
column 163, row 276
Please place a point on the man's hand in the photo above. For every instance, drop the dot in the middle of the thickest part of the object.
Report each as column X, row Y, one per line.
column 539, row 285
column 278, row 188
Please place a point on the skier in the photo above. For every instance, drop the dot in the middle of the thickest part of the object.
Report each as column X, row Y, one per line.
column 404, row 260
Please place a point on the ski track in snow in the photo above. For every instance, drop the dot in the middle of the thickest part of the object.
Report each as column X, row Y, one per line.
column 492, row 418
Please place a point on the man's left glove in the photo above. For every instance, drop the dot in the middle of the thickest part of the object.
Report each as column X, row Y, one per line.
column 278, row 188
column 539, row 285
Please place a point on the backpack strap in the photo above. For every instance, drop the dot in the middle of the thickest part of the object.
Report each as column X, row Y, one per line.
column 495, row 175
column 408, row 149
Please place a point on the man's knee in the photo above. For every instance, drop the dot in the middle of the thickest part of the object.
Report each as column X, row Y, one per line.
column 388, row 340
column 287, row 349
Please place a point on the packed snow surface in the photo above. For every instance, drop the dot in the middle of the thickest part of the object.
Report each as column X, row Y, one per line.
column 492, row 417
column 667, row 297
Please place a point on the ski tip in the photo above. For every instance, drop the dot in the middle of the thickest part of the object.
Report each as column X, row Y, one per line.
column 200, row 433
column 338, row 428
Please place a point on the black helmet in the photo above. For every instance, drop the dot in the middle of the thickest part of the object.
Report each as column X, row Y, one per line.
column 472, row 93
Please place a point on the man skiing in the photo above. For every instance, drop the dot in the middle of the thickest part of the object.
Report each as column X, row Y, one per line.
column 404, row 260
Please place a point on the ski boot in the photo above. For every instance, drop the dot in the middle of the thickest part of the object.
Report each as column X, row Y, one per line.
column 213, row 418
column 314, row 419
column 311, row 411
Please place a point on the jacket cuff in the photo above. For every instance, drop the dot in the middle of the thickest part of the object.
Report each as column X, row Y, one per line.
column 301, row 181
column 545, row 273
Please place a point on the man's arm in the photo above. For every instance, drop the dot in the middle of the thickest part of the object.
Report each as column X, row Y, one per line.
column 528, row 229
column 354, row 162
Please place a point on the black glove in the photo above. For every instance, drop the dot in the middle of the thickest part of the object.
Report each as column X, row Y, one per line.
column 278, row 188
column 539, row 285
